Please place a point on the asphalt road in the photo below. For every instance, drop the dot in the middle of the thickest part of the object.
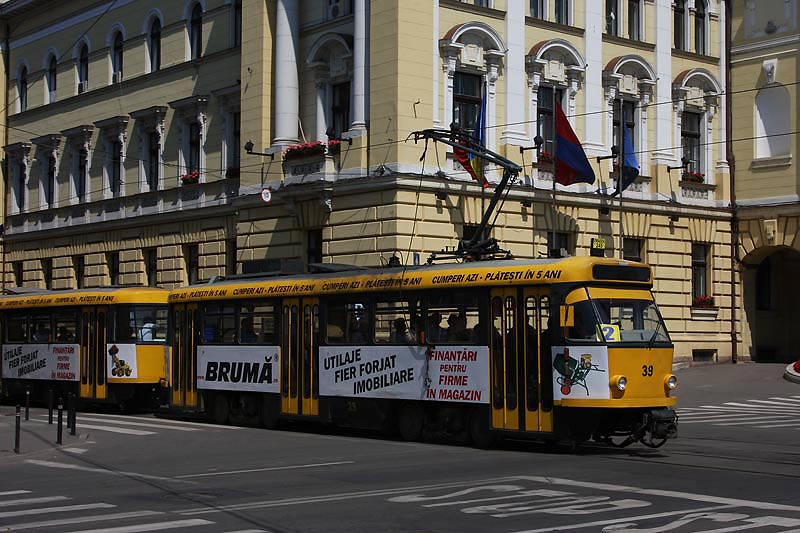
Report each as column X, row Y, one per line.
column 734, row 467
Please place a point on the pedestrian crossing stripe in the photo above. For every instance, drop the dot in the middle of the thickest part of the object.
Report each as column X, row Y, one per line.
column 775, row 412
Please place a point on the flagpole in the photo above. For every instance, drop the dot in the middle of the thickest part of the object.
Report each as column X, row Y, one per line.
column 555, row 166
column 619, row 173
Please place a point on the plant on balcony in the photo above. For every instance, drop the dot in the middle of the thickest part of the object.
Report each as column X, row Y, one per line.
column 796, row 366
column 300, row 151
column 704, row 301
column 545, row 158
column 334, row 146
column 190, row 177
column 693, row 177
column 232, row 171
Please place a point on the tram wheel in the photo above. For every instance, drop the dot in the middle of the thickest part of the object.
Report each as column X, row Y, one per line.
column 410, row 421
column 269, row 413
column 480, row 430
column 220, row 410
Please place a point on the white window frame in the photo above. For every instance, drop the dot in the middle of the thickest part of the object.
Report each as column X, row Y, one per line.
column 112, row 131
column 191, row 110
column 18, row 155
column 79, row 140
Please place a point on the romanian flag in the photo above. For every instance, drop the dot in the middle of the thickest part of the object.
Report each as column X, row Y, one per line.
column 571, row 163
column 630, row 166
column 473, row 163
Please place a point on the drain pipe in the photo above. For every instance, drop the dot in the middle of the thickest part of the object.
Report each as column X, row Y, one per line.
column 732, row 172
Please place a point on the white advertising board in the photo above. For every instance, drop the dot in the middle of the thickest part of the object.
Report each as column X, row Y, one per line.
column 121, row 361
column 58, row 362
column 580, row 373
column 447, row 373
column 241, row 368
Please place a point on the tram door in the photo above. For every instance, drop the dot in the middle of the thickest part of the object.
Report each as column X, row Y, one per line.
column 519, row 395
column 94, row 327
column 183, row 366
column 299, row 356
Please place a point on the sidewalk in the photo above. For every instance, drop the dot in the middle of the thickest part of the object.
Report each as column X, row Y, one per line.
column 36, row 435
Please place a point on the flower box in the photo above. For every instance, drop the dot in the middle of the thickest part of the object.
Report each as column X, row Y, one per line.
column 191, row 177
column 693, row 177
column 545, row 158
column 304, row 151
column 334, row 147
column 705, row 300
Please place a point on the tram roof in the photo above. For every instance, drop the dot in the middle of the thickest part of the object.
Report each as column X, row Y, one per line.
column 451, row 275
column 80, row 297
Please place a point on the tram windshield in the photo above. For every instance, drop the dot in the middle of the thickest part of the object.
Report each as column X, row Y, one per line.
column 633, row 318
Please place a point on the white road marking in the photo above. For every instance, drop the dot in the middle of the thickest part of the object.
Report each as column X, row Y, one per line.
column 14, row 492
column 738, row 418
column 25, row 501
column 749, row 421
column 80, row 520
column 138, row 424
column 65, row 466
column 769, row 402
column 165, row 421
column 60, row 509
column 112, row 429
column 158, row 526
column 788, row 408
column 248, row 531
column 785, row 399
column 75, row 450
column 294, row 467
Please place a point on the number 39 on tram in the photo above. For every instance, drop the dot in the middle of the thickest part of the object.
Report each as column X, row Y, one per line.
column 556, row 349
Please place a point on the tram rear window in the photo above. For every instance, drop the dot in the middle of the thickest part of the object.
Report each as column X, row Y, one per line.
column 621, row 273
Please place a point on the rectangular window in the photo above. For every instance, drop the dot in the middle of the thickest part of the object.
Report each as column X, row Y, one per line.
column 115, row 164
column 142, row 323
column 558, row 244
column 40, row 329
column 50, row 186
column 467, row 93
column 191, row 258
column 153, row 159
column 193, row 162
column 545, row 117
column 633, row 249
column 454, row 319
column 700, row 27
column 78, row 268
column 634, row 19
column 236, row 141
column 314, row 246
column 112, row 263
column 219, row 324
column 47, row 273
column 562, row 11
column 700, row 286
column 19, row 187
column 257, row 323
column 612, row 17
column 537, row 9
column 348, row 322
column 16, row 328
column 80, row 178
column 679, row 24
column 150, row 256
column 66, row 326
column 397, row 321
column 237, row 23
column 231, row 257
column 690, row 141
column 340, row 110
column 19, row 272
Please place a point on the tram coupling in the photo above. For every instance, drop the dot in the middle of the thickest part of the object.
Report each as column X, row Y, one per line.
column 660, row 424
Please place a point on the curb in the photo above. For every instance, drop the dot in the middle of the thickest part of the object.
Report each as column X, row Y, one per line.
column 790, row 375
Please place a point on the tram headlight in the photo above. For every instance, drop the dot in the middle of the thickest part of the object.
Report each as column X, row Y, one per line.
column 670, row 382
column 620, row 382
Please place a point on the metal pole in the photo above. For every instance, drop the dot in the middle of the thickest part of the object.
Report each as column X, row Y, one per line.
column 621, row 140
column 60, row 420
column 27, row 403
column 73, row 408
column 16, row 431
column 49, row 406
column 555, row 165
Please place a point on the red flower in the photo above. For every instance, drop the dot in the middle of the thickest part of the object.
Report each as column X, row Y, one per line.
column 796, row 366
column 703, row 301
column 545, row 157
column 296, row 151
column 191, row 177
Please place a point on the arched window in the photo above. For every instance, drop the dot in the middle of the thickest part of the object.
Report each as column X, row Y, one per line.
column 700, row 26
column 22, row 88
column 116, row 58
column 52, row 79
column 679, row 24
column 154, row 45
column 83, row 69
column 196, row 32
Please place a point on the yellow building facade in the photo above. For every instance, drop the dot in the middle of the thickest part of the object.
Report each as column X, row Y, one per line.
column 161, row 143
column 765, row 64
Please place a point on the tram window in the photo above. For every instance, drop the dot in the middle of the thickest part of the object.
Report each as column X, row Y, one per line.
column 66, row 327
column 138, row 323
column 219, row 324
column 40, row 329
column 397, row 322
column 17, row 329
column 348, row 322
column 454, row 318
column 257, row 323
column 585, row 327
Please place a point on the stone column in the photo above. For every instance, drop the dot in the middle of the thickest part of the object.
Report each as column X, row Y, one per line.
column 665, row 138
column 359, row 124
column 594, row 23
column 287, row 87
column 514, row 133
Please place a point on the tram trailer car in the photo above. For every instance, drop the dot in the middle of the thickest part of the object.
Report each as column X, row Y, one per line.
column 104, row 345
column 558, row 349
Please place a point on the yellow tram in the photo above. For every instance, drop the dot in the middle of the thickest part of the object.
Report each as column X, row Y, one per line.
column 571, row 348
column 103, row 344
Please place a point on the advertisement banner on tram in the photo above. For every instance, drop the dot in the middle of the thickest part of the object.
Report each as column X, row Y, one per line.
column 57, row 362
column 580, row 372
column 451, row 373
column 242, row 368
column 121, row 361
